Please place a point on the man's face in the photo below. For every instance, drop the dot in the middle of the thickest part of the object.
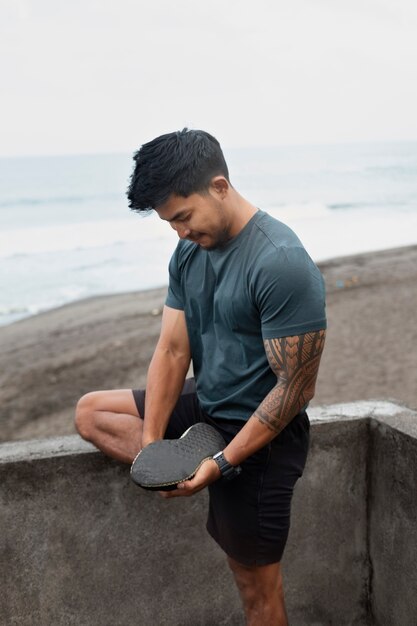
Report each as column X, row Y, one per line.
column 201, row 218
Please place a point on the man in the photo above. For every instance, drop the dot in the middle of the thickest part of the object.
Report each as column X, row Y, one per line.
column 246, row 304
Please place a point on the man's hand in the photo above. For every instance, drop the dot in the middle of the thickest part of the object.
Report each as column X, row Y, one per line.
column 207, row 473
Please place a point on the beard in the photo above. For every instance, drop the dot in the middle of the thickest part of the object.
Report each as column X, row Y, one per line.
column 221, row 236
column 217, row 240
column 220, row 241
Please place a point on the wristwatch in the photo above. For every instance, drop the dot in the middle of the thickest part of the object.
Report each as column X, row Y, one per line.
column 227, row 470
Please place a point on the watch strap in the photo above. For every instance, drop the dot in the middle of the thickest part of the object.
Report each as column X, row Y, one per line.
column 227, row 470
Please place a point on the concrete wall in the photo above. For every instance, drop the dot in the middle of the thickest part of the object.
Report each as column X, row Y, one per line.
column 326, row 562
column 393, row 521
column 80, row 544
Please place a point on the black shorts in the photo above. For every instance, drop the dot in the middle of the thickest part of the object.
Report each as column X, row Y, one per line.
column 249, row 517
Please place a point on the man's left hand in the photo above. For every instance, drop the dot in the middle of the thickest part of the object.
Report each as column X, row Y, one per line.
column 206, row 474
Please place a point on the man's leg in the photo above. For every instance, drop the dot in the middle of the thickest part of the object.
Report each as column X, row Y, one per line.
column 260, row 588
column 111, row 421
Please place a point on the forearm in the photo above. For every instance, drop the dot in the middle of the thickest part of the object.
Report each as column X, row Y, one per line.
column 166, row 376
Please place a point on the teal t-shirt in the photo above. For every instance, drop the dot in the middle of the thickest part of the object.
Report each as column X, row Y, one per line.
column 262, row 284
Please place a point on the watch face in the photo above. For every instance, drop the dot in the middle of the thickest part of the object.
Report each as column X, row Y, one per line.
column 221, row 461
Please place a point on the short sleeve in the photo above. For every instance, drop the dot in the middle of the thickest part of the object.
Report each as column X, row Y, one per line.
column 174, row 297
column 290, row 294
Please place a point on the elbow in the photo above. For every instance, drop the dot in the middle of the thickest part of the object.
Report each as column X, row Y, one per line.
column 176, row 354
column 307, row 398
column 173, row 353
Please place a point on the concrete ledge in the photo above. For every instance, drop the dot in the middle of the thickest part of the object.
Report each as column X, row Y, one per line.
column 80, row 544
column 83, row 545
column 15, row 451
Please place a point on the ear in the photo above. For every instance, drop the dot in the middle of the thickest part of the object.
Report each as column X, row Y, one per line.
column 220, row 186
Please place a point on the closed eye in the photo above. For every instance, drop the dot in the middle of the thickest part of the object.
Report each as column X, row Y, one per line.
column 180, row 216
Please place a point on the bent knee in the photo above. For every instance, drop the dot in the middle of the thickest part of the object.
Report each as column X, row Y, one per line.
column 84, row 414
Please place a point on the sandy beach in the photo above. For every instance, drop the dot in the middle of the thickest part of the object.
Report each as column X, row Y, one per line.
column 48, row 361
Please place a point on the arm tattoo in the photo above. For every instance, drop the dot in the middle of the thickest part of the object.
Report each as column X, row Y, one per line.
column 295, row 362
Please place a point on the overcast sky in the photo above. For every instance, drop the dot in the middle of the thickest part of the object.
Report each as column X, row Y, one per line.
column 107, row 75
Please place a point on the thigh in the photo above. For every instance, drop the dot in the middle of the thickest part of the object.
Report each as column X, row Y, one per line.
column 111, row 401
column 249, row 517
column 186, row 412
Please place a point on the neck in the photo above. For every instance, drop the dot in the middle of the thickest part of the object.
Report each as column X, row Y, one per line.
column 241, row 211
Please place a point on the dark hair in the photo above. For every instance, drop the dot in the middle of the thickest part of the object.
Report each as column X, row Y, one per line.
column 179, row 163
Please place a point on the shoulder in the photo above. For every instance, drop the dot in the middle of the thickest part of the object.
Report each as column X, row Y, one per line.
column 274, row 233
column 282, row 265
column 183, row 252
column 287, row 286
column 184, row 248
column 278, row 246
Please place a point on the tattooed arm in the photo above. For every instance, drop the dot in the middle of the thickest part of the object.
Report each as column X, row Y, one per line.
column 295, row 362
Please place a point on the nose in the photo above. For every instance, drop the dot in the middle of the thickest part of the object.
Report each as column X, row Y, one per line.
column 182, row 231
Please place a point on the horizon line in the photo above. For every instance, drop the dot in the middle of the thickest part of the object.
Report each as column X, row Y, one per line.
column 224, row 147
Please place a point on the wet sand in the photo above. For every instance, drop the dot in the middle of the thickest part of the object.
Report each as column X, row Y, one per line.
column 48, row 361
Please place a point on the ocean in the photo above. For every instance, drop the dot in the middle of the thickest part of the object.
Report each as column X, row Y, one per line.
column 67, row 233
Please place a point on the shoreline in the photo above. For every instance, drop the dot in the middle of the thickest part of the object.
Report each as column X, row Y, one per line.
column 50, row 359
column 323, row 263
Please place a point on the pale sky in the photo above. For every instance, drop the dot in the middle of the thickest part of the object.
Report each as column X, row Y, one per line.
column 92, row 76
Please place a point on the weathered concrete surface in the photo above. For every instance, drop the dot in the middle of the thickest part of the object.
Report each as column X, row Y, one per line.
column 80, row 544
column 393, row 521
column 326, row 562
column 391, row 506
